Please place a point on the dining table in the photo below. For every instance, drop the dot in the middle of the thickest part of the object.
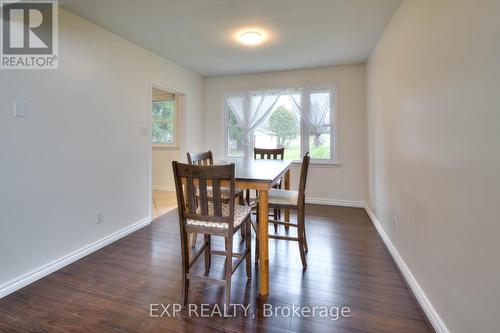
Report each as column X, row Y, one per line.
column 262, row 175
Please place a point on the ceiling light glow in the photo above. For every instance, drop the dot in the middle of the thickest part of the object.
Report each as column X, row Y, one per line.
column 251, row 37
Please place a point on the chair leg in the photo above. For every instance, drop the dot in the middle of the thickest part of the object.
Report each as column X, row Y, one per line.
column 241, row 201
column 275, row 216
column 229, row 267
column 302, row 225
column 248, row 246
column 287, row 227
column 302, row 252
column 194, row 236
column 185, row 267
column 301, row 236
column 306, row 248
column 208, row 256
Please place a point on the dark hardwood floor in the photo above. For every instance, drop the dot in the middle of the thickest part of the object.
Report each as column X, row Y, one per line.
column 111, row 290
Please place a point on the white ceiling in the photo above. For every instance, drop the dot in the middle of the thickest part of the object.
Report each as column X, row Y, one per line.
column 198, row 34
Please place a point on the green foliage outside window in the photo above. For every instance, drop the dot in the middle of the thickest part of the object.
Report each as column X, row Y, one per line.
column 285, row 124
column 163, row 122
column 235, row 133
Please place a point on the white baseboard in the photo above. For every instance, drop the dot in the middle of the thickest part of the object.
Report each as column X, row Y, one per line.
column 318, row 201
column 425, row 303
column 333, row 202
column 53, row 266
column 168, row 188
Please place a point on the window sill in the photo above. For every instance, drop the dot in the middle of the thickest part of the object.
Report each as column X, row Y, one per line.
column 320, row 164
column 165, row 147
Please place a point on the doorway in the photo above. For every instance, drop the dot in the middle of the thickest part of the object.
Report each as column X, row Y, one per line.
column 166, row 107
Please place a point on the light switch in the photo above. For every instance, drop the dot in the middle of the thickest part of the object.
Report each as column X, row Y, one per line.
column 20, row 109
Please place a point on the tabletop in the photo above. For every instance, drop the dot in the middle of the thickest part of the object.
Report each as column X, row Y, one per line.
column 258, row 170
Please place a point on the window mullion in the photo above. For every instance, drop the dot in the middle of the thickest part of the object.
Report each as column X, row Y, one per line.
column 246, row 152
column 333, row 124
column 305, row 101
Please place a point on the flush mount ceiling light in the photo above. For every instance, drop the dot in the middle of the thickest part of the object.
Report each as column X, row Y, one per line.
column 251, row 37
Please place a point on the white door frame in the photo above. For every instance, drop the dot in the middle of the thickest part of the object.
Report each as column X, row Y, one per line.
column 181, row 126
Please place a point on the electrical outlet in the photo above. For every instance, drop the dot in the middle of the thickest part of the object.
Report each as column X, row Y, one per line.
column 20, row 109
column 395, row 221
column 98, row 217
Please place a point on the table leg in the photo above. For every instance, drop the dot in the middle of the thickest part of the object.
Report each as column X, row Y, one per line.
column 287, row 187
column 263, row 243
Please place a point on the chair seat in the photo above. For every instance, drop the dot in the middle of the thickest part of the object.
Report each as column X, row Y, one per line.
column 253, row 194
column 283, row 198
column 225, row 193
column 240, row 214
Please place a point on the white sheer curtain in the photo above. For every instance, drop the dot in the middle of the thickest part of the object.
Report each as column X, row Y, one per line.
column 314, row 109
column 251, row 109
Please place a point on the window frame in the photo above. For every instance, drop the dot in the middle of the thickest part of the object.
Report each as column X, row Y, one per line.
column 175, row 143
column 225, row 111
column 305, row 92
column 306, row 144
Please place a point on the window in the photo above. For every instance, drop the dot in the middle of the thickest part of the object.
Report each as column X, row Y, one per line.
column 164, row 118
column 301, row 120
column 234, row 136
column 281, row 129
column 319, row 128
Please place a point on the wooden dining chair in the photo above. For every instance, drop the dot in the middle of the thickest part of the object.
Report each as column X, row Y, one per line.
column 269, row 154
column 198, row 214
column 206, row 158
column 295, row 200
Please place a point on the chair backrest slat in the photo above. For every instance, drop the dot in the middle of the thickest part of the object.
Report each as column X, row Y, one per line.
column 203, row 196
column 192, row 183
column 216, row 197
column 191, row 195
column 270, row 154
column 204, row 158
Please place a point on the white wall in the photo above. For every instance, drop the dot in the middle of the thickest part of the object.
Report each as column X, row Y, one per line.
column 163, row 176
column 80, row 149
column 342, row 184
column 433, row 152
